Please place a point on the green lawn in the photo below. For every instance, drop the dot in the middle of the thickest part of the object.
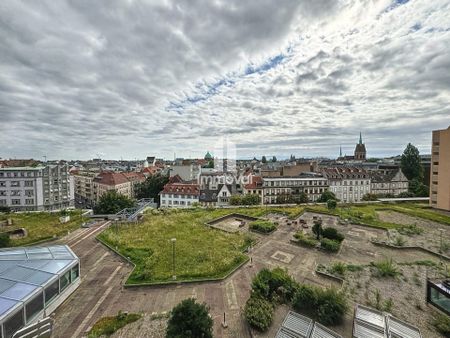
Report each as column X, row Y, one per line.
column 41, row 225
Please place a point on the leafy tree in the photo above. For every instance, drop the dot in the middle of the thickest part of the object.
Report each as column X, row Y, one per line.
column 285, row 199
column 264, row 159
column 112, row 202
column 331, row 204
column 5, row 241
column 258, row 312
column 274, row 159
column 5, row 209
column 370, row 197
column 151, row 187
column 273, row 284
column 189, row 320
column 326, row 195
column 419, row 189
column 302, row 198
column 235, row 200
column 317, row 228
column 411, row 163
column 251, row 199
column 332, row 233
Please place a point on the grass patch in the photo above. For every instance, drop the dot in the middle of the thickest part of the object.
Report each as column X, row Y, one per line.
column 410, row 230
column 106, row 326
column 201, row 252
column 305, row 240
column 41, row 225
column 262, row 226
column 386, row 268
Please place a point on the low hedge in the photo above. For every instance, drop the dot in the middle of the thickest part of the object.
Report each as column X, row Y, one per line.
column 262, row 226
column 259, row 312
column 305, row 241
column 330, row 245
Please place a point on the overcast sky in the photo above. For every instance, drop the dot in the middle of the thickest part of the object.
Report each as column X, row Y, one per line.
column 82, row 78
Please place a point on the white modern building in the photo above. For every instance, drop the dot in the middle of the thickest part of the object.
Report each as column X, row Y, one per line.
column 34, row 281
column 349, row 184
column 36, row 188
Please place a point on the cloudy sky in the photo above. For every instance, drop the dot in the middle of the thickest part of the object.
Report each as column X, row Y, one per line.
column 135, row 78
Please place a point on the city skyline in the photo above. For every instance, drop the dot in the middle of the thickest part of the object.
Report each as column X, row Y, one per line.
column 81, row 79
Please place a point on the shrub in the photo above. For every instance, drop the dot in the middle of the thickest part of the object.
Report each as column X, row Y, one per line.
column 262, row 226
column 370, row 197
column 258, row 312
column 189, row 319
column 326, row 306
column 442, row 324
column 5, row 241
column 338, row 268
column 330, row 245
column 399, row 241
column 331, row 204
column 305, row 240
column 305, row 299
column 317, row 228
column 332, row 233
column 326, row 196
column 386, row 268
column 410, row 230
column 276, row 283
column 5, row 209
column 106, row 326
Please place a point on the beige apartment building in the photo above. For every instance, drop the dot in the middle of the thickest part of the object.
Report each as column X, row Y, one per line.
column 440, row 170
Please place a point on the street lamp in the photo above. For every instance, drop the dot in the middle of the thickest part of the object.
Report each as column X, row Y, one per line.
column 173, row 240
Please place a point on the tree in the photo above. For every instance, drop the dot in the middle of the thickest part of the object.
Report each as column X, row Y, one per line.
column 5, row 209
column 5, row 241
column 151, row 187
column 302, row 198
column 251, row 199
column 189, row 320
column 274, row 159
column 317, row 228
column 264, row 159
column 331, row 204
column 419, row 189
column 112, row 202
column 370, row 197
column 327, row 195
column 235, row 200
column 258, row 312
column 411, row 163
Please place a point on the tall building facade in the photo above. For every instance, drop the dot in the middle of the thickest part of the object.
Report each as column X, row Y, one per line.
column 440, row 170
column 36, row 188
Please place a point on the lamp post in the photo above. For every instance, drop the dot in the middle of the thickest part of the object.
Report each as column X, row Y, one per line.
column 173, row 240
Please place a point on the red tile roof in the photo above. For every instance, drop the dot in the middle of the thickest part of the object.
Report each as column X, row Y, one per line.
column 111, row 178
column 181, row 189
column 255, row 182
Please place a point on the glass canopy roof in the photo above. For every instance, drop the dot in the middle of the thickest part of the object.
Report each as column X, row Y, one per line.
column 24, row 271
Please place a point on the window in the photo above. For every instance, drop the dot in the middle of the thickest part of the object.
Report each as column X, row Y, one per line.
column 33, row 307
column 15, row 192
column 64, row 281
column 15, row 183
column 29, row 201
column 2, row 184
column 74, row 273
column 15, row 202
column 13, row 324
column 28, row 183
column 2, row 202
column 51, row 292
column 2, row 192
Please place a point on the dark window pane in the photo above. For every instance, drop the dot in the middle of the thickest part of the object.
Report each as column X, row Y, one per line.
column 74, row 273
column 65, row 280
column 33, row 307
column 13, row 324
column 51, row 292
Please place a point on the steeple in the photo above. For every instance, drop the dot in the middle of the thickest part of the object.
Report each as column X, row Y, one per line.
column 340, row 151
column 360, row 138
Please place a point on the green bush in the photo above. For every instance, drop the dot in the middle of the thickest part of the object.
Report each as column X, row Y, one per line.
column 330, row 245
column 332, row 233
column 338, row 268
column 5, row 241
column 326, row 196
column 442, row 324
column 262, row 226
column 190, row 320
column 305, row 241
column 386, row 268
column 399, row 241
column 258, row 312
column 106, row 326
column 5, row 209
column 331, row 204
column 410, row 230
column 274, row 285
column 326, row 306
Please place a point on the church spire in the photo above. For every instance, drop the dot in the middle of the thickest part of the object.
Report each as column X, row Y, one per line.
column 340, row 151
column 360, row 138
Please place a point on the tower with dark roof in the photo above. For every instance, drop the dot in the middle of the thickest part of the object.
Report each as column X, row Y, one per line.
column 360, row 150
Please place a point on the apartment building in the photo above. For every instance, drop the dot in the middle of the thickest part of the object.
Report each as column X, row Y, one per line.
column 279, row 190
column 440, row 170
column 349, row 184
column 84, row 188
column 179, row 195
column 106, row 181
column 388, row 182
column 36, row 188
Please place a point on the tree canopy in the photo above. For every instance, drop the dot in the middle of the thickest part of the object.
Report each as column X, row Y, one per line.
column 264, row 159
column 189, row 320
column 151, row 187
column 411, row 163
column 112, row 202
column 325, row 196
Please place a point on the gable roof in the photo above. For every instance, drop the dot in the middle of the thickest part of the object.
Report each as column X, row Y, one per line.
column 181, row 189
column 111, row 178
